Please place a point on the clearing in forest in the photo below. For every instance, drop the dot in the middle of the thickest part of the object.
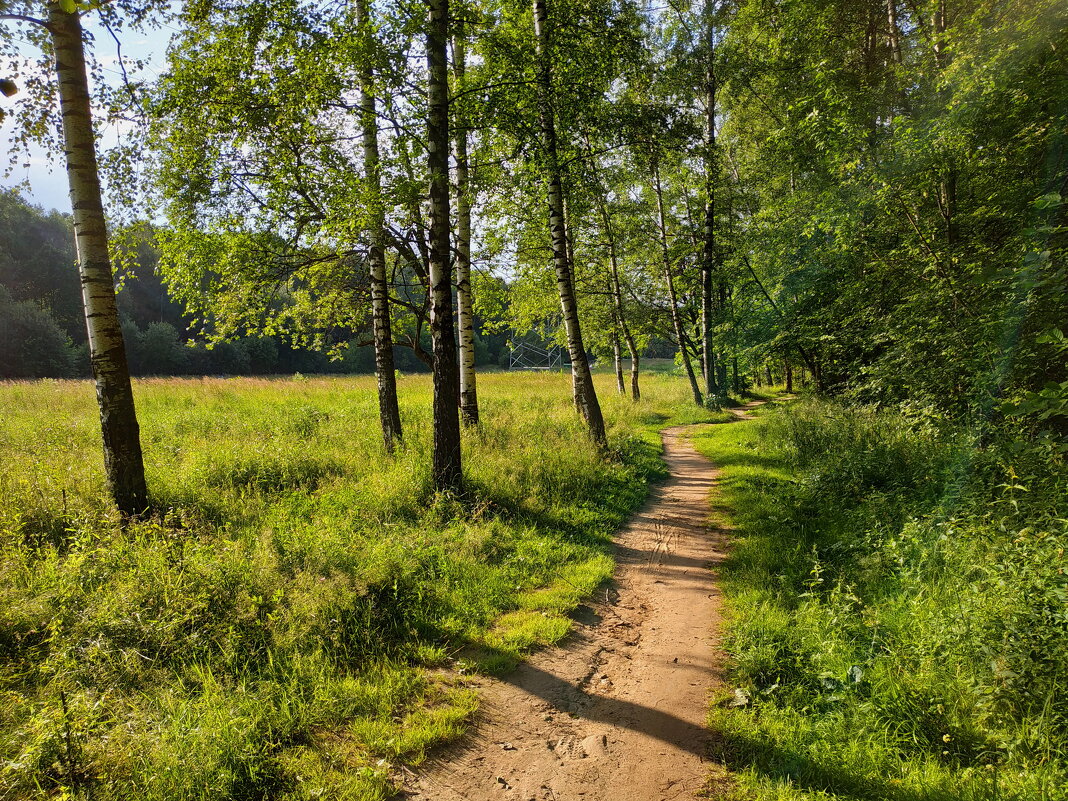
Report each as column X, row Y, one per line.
column 286, row 626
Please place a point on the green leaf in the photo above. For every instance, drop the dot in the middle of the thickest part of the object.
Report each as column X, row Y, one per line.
column 1048, row 201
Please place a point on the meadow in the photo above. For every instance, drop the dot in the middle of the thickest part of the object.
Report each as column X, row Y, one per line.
column 898, row 626
column 297, row 619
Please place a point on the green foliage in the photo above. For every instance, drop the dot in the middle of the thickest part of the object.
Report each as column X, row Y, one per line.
column 273, row 633
column 889, row 180
column 31, row 343
column 37, row 261
column 898, row 596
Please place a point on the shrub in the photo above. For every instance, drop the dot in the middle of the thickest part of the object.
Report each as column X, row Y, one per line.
column 32, row 345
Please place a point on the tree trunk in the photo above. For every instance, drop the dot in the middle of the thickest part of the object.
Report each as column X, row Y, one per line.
column 947, row 187
column 464, row 301
column 580, row 368
column 447, row 473
column 708, row 257
column 617, row 358
column 576, row 381
column 789, row 376
column 895, row 33
column 675, row 319
column 617, row 290
column 938, row 23
column 721, row 373
column 617, row 300
column 385, row 373
column 123, row 462
column 628, row 337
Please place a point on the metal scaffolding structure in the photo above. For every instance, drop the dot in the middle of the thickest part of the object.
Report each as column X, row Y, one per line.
column 525, row 356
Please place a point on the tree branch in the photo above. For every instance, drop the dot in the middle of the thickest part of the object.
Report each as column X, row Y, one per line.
column 24, row 18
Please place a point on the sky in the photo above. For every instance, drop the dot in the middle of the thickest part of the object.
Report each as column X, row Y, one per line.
column 43, row 180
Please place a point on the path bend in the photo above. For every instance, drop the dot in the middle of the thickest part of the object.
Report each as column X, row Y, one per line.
column 617, row 713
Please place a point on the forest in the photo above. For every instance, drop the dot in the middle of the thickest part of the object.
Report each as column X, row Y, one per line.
column 277, row 519
column 44, row 330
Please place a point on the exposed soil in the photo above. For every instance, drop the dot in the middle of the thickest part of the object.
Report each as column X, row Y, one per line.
column 617, row 713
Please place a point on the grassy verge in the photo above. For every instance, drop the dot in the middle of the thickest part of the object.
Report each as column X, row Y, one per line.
column 280, row 630
column 897, row 610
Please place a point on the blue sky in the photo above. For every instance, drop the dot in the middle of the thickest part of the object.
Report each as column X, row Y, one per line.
column 45, row 178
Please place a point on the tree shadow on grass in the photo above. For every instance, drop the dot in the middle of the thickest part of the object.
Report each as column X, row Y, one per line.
column 739, row 752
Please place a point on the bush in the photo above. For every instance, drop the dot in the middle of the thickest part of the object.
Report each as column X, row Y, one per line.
column 900, row 627
column 32, row 345
column 161, row 351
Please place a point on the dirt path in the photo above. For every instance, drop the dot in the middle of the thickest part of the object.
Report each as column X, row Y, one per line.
column 617, row 713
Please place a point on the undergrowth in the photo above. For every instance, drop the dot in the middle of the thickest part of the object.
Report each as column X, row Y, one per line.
column 297, row 620
column 899, row 610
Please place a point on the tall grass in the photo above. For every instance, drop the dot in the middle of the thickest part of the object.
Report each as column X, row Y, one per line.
column 899, row 610
column 275, row 631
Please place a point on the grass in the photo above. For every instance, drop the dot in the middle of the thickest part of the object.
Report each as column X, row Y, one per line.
column 897, row 598
column 655, row 366
column 280, row 629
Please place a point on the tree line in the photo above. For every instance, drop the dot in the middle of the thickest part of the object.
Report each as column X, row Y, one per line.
column 42, row 327
column 869, row 193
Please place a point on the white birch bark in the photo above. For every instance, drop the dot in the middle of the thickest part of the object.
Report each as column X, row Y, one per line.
column 123, row 461
column 464, row 297
column 446, row 468
column 585, row 394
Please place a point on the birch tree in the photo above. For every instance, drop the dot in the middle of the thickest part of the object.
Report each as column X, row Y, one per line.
column 388, row 409
column 669, row 279
column 447, row 473
column 585, row 394
column 708, row 255
column 464, row 300
column 275, row 185
column 123, row 461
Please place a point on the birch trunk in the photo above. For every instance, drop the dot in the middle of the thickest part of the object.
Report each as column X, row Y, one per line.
column 123, row 462
column 721, row 362
column 447, row 472
column 385, row 373
column 628, row 337
column 617, row 359
column 635, row 392
column 586, row 396
column 938, row 23
column 676, row 321
column 947, row 186
column 895, row 33
column 617, row 291
column 708, row 257
column 464, row 299
column 617, row 300
column 576, row 380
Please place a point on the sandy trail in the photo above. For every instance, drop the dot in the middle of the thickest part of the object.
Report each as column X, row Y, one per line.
column 618, row 712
